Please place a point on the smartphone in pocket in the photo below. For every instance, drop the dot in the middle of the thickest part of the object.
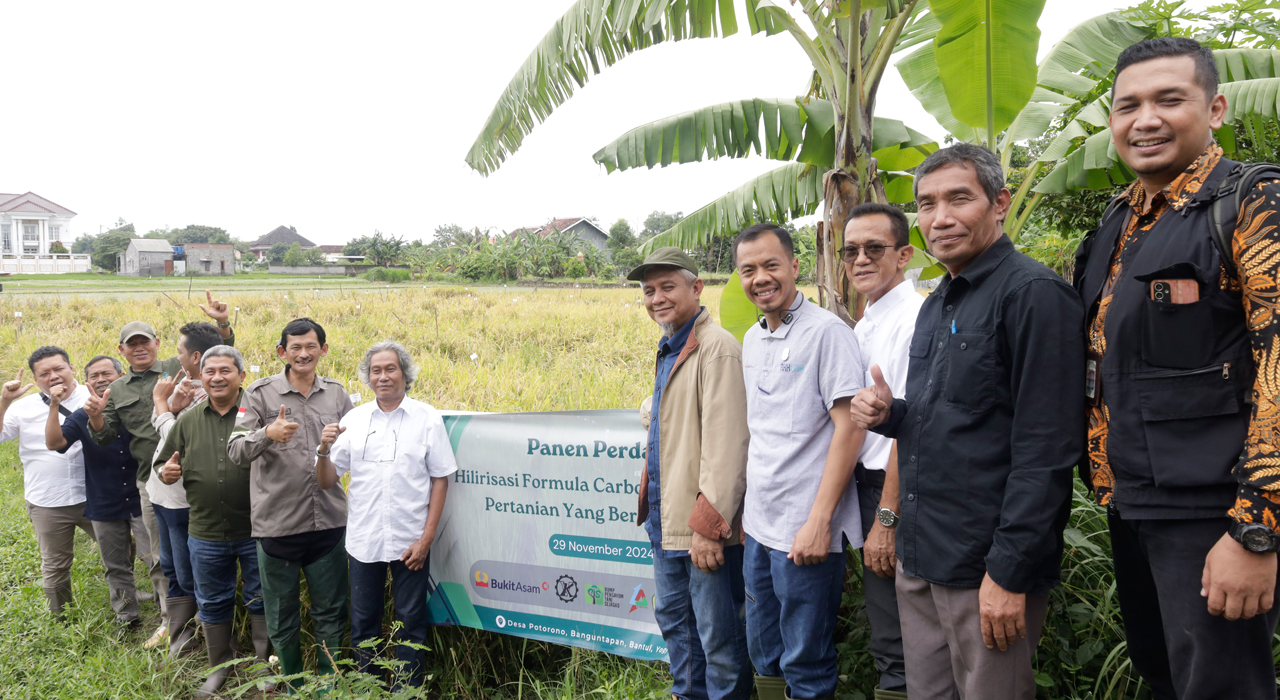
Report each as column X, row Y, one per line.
column 1175, row 291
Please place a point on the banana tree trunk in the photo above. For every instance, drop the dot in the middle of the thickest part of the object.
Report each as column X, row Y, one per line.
column 853, row 181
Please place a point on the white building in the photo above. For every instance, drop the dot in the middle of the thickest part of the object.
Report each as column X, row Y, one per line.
column 29, row 225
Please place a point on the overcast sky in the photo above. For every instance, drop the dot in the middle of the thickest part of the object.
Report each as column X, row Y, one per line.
column 343, row 118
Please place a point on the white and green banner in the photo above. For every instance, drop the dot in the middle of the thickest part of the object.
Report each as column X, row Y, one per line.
column 539, row 538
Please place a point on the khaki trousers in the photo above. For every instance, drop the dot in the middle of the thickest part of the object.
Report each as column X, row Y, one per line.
column 117, row 557
column 146, row 536
column 946, row 658
column 55, row 533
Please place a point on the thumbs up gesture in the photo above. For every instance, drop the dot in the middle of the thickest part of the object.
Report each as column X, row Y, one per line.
column 328, row 436
column 14, row 389
column 870, row 406
column 171, row 471
column 282, row 430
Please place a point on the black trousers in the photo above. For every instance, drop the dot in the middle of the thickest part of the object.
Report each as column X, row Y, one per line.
column 880, row 595
column 1181, row 650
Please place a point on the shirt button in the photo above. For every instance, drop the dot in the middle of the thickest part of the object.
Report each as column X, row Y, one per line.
column 964, row 346
column 913, row 458
column 911, row 497
column 950, row 307
column 918, row 419
column 939, row 346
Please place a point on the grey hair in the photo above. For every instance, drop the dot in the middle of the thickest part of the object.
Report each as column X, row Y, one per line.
column 407, row 366
column 689, row 276
column 984, row 163
column 223, row 351
column 114, row 363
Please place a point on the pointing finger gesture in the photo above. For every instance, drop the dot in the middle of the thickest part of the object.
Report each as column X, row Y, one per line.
column 95, row 404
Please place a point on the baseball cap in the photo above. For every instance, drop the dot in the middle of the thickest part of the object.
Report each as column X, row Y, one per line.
column 669, row 256
column 136, row 328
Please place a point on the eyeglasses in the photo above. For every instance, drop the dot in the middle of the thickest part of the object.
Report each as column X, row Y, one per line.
column 874, row 251
column 375, row 446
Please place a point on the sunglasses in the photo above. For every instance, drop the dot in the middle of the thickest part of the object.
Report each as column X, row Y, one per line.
column 874, row 251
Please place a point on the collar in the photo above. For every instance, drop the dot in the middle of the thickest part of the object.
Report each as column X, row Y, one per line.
column 987, row 261
column 283, row 385
column 1183, row 189
column 676, row 342
column 208, row 405
column 879, row 311
column 797, row 309
column 155, row 367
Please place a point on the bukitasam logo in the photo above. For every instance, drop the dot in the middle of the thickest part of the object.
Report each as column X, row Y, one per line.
column 482, row 579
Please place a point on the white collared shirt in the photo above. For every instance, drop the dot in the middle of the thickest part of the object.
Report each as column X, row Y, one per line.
column 172, row 496
column 49, row 479
column 392, row 458
column 884, row 334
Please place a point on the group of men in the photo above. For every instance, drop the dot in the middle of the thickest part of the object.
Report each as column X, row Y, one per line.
column 214, row 479
column 941, row 434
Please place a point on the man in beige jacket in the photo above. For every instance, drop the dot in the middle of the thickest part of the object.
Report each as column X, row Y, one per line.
column 693, row 483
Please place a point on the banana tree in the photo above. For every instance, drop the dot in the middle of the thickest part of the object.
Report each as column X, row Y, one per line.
column 1082, row 156
column 1067, row 78
column 839, row 153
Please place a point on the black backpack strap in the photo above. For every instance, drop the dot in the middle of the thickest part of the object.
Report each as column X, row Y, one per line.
column 1227, row 200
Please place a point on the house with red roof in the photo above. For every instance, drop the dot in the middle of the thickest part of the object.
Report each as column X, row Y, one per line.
column 584, row 229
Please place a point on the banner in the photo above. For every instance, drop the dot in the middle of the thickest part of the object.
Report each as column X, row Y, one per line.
column 538, row 537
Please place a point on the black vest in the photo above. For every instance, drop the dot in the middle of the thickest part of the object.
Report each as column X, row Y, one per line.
column 1175, row 377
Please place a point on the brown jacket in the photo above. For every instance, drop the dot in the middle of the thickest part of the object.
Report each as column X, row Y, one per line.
column 702, row 440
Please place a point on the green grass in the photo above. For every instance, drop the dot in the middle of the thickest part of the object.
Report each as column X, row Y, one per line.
column 553, row 349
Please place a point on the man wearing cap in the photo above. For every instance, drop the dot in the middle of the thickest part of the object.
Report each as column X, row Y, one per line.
column 692, row 487
column 127, row 402
column 299, row 526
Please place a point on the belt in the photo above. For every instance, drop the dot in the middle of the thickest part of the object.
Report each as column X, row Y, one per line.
column 869, row 477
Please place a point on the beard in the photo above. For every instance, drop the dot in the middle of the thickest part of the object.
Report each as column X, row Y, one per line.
column 668, row 329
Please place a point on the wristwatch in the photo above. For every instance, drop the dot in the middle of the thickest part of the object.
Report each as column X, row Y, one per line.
column 887, row 517
column 224, row 324
column 322, row 454
column 1254, row 537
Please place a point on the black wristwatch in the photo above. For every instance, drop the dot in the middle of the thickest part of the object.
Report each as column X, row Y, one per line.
column 887, row 517
column 1254, row 537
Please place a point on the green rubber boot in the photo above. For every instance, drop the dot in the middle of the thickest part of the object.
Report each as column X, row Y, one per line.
column 290, row 663
column 889, row 695
column 771, row 687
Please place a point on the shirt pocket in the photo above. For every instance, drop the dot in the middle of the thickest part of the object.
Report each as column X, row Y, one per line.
column 1178, row 336
column 1187, row 415
column 971, row 373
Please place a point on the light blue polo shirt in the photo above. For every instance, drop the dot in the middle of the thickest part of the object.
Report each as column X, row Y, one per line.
column 794, row 375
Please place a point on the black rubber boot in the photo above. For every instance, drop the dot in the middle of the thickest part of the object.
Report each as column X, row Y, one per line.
column 182, row 626
column 218, row 637
column 261, row 643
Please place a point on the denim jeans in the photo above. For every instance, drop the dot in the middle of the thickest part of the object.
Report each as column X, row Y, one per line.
column 214, row 566
column 701, row 619
column 791, row 618
column 175, row 560
column 409, row 590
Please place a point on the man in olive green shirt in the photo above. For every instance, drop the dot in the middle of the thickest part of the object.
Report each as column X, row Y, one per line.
column 127, row 402
column 219, row 529
column 299, row 526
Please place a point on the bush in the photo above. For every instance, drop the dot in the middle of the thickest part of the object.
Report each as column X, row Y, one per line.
column 575, row 268
column 387, row 274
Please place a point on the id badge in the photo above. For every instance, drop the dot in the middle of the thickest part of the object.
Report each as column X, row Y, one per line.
column 1093, row 378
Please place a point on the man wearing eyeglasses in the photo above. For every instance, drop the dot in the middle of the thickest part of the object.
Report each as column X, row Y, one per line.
column 299, row 526
column 876, row 253
column 399, row 457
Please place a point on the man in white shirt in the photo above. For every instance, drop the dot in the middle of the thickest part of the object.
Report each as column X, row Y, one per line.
column 876, row 254
column 399, row 456
column 801, row 367
column 53, row 484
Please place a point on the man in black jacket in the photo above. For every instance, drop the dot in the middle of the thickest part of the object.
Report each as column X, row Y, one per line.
column 1184, row 466
column 987, row 442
